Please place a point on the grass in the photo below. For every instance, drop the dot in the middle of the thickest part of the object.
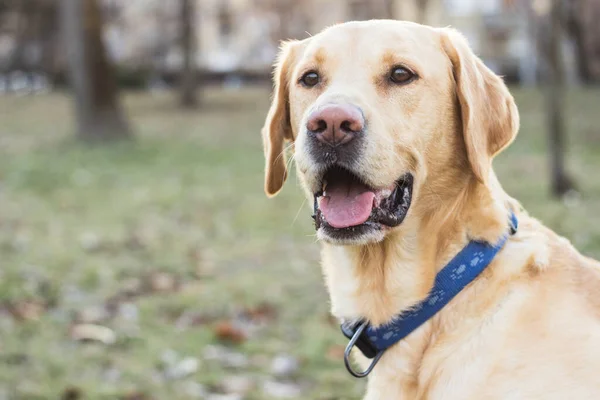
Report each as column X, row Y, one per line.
column 83, row 228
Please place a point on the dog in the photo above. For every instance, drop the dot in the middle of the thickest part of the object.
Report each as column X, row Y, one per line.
column 393, row 127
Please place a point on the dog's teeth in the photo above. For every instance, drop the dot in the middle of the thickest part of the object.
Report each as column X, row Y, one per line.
column 324, row 185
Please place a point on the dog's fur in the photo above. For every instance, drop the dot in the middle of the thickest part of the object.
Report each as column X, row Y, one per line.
column 529, row 326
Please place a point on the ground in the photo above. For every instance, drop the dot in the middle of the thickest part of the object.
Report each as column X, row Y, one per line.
column 158, row 269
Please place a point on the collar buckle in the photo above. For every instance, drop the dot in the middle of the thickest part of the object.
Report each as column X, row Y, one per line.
column 453, row 278
column 357, row 335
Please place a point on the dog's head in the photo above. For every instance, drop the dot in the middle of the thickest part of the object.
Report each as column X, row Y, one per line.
column 378, row 111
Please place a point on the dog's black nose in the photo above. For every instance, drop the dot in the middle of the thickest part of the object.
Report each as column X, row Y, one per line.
column 335, row 124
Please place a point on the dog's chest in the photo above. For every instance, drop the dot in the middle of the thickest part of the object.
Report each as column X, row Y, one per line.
column 342, row 284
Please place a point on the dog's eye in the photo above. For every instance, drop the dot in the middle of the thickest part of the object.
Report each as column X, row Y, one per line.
column 401, row 75
column 310, row 79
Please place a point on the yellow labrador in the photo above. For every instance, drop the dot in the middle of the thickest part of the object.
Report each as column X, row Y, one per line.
column 394, row 127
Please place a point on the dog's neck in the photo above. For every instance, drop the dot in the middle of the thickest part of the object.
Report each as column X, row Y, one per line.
column 376, row 282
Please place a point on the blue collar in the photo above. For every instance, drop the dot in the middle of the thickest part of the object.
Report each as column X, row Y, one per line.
column 454, row 277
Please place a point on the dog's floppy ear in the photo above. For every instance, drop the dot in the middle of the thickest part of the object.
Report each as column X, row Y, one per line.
column 277, row 128
column 490, row 119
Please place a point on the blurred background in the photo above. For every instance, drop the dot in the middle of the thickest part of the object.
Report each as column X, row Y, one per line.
column 139, row 257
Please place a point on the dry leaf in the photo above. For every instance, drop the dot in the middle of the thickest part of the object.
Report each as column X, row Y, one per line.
column 336, row 352
column 162, row 282
column 136, row 396
column 228, row 332
column 71, row 393
column 263, row 312
column 92, row 332
column 29, row 310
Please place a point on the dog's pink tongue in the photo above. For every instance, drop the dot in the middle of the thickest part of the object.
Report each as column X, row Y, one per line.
column 346, row 206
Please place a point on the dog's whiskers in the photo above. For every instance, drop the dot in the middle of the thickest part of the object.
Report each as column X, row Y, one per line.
column 289, row 162
column 282, row 153
column 299, row 210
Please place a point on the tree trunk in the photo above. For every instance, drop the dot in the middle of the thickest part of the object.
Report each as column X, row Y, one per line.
column 390, row 9
column 188, row 84
column 16, row 59
column 555, row 102
column 46, row 35
column 577, row 30
column 422, row 11
column 97, row 107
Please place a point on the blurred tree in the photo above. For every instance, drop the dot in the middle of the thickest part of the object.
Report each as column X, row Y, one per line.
column 293, row 21
column 580, row 21
column 576, row 29
column 550, row 47
column 422, row 11
column 48, row 34
column 188, row 79
column 390, row 9
column 20, row 33
column 30, row 31
column 97, row 107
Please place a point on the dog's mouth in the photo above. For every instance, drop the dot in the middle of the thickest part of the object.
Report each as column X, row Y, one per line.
column 347, row 208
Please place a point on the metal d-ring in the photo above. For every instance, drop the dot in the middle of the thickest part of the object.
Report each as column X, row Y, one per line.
column 349, row 347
